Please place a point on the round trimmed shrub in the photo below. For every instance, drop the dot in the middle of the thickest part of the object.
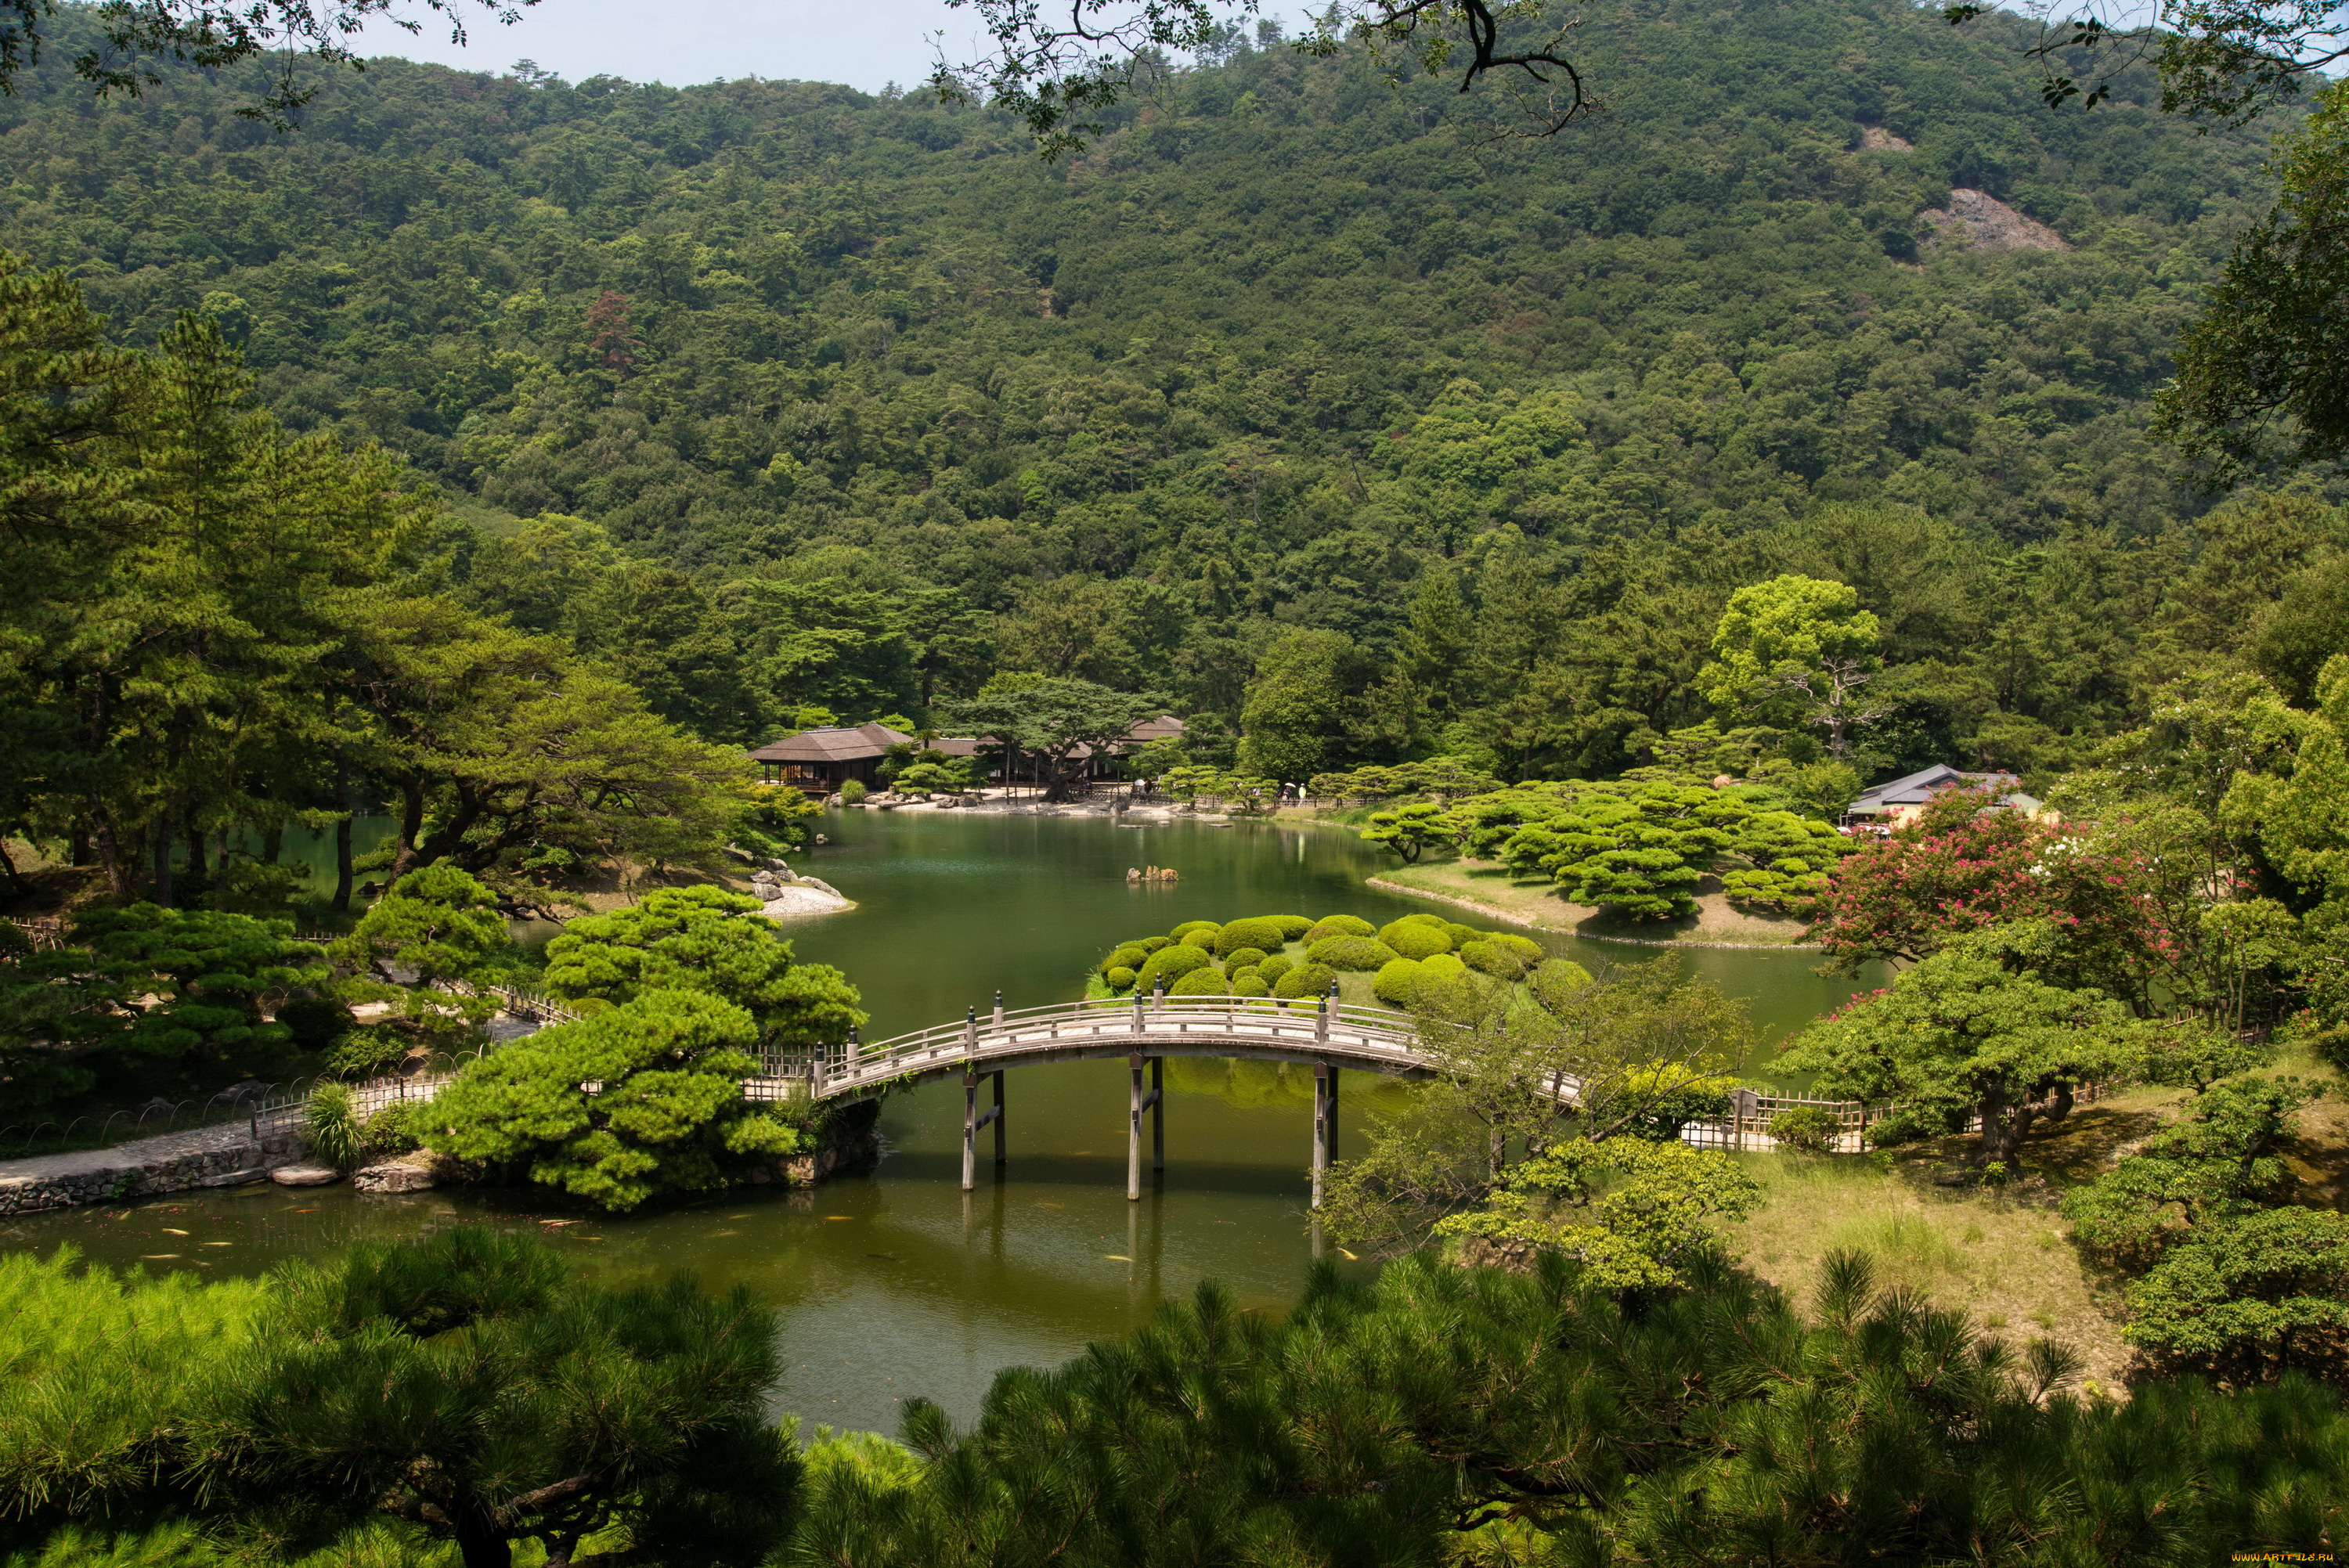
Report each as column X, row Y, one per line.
column 1292, row 926
column 1185, row 932
column 1250, row 985
column 1121, row 978
column 1234, row 973
column 1807, row 1129
column 1151, row 943
column 1459, row 934
column 1415, row 939
column 1558, row 975
column 1397, row 982
column 1245, row 959
column 1445, row 966
column 1305, row 980
column 316, row 1021
column 1529, row 951
column 1171, row 964
column 1129, row 956
column 1264, row 935
column 1337, row 925
column 1492, row 959
column 1359, row 953
column 1205, row 981
column 1274, row 967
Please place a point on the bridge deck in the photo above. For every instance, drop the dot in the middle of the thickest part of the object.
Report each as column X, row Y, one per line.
column 1366, row 1037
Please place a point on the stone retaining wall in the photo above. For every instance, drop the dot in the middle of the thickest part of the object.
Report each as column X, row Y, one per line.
column 111, row 1175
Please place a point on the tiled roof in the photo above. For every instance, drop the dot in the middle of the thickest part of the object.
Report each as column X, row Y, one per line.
column 1919, row 788
column 836, row 743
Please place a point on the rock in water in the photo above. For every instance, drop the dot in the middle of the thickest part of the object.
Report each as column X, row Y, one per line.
column 806, row 896
column 415, row 1174
column 305, row 1175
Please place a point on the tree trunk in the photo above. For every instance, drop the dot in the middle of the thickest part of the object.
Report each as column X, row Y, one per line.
column 484, row 1546
column 272, row 844
column 78, row 846
column 162, row 872
column 8, row 865
column 411, row 823
column 343, row 833
column 110, row 856
column 195, row 837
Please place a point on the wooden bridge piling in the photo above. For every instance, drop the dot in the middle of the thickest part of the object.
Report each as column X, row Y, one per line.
column 1134, row 1132
column 1324, row 1125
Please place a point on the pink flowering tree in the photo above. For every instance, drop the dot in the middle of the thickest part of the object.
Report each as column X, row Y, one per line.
column 2099, row 902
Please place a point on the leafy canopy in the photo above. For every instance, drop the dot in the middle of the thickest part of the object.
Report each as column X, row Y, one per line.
column 623, row 1105
column 704, row 939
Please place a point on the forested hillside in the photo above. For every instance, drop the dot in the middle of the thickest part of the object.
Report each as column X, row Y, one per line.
column 869, row 403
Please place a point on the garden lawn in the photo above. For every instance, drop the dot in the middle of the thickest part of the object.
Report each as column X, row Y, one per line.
column 1491, row 889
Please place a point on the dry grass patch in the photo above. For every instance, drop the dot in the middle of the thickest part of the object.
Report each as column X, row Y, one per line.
column 2005, row 1259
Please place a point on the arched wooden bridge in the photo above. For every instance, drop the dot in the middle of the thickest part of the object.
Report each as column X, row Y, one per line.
column 1327, row 1036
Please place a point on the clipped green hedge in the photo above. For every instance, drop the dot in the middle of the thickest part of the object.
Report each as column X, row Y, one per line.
column 1337, row 925
column 1233, row 972
column 1205, row 981
column 1129, row 956
column 1264, row 935
column 1305, row 980
column 1121, row 978
column 1292, row 926
column 1183, row 932
column 1491, row 958
column 1527, row 950
column 1445, row 966
column 1250, row 985
column 1415, row 939
column 1245, row 958
column 1152, row 943
column 1459, row 934
column 1274, row 967
column 1398, row 981
column 1356, row 953
column 1172, row 964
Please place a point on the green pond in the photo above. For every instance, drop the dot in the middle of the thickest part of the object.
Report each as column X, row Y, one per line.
column 895, row 1283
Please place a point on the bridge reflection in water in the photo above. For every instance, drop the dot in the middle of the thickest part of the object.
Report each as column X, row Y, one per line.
column 1327, row 1035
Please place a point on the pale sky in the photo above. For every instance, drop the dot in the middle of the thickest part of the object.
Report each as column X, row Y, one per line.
column 867, row 44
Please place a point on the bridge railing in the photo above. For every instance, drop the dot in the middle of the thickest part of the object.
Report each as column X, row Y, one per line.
column 1016, row 1031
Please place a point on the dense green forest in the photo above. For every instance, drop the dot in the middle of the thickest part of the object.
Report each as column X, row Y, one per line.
column 776, row 397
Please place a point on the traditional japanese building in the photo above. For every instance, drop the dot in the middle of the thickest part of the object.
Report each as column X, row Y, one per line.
column 819, row 761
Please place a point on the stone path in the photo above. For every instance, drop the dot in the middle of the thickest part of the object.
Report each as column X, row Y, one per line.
column 155, row 1151
column 175, row 1161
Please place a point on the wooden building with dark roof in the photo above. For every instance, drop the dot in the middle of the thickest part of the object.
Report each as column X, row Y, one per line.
column 819, row 761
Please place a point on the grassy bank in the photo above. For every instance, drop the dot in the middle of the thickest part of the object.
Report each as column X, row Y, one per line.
column 1492, row 890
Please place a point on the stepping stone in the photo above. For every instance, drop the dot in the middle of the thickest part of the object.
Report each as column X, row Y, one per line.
column 305, row 1175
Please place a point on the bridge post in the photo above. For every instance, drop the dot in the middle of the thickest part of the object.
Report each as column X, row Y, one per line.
column 1137, row 1012
column 1322, row 1022
column 1158, row 1113
column 1323, row 1111
column 999, row 1117
column 970, row 1128
column 998, row 1006
column 969, row 1031
column 1133, row 1133
column 1158, row 996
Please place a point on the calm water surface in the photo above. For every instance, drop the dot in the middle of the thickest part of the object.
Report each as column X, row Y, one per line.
column 896, row 1283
